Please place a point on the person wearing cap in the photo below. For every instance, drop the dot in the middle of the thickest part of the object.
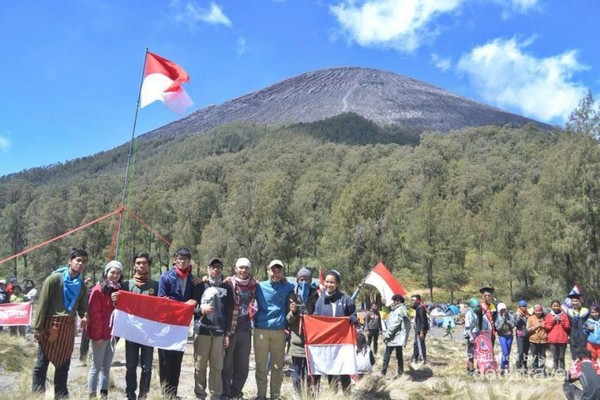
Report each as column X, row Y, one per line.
column 100, row 309
column 471, row 331
column 237, row 355
column 521, row 316
column 504, row 326
column 577, row 316
column 17, row 297
column 421, row 329
column 63, row 295
column 175, row 284
column 135, row 353
column 557, row 325
column 538, row 340
column 334, row 303
column 212, row 323
column 302, row 303
column 272, row 299
column 396, row 335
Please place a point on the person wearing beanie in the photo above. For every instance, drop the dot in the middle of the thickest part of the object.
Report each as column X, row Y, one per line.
column 302, row 303
column 212, row 324
column 135, row 353
column 62, row 296
column 237, row 355
column 521, row 317
column 100, row 309
column 175, row 284
column 272, row 298
column 471, row 331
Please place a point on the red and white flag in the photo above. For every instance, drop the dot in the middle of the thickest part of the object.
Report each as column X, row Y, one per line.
column 152, row 321
column 15, row 314
column 162, row 82
column 330, row 345
column 384, row 281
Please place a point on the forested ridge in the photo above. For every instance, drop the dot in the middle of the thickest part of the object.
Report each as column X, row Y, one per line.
column 517, row 208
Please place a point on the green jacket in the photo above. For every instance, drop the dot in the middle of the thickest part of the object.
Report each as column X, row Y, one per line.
column 50, row 302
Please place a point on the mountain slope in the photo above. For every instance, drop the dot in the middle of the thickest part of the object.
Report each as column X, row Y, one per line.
column 383, row 97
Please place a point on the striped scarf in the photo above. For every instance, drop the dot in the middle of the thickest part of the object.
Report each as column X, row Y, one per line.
column 238, row 285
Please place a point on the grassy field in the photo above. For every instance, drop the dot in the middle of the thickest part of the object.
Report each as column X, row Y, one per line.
column 443, row 377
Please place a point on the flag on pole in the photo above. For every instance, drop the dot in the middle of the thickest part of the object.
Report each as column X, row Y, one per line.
column 152, row 321
column 384, row 281
column 330, row 345
column 162, row 82
column 575, row 291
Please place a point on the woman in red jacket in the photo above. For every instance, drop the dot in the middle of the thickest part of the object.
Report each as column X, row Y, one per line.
column 100, row 309
column 557, row 325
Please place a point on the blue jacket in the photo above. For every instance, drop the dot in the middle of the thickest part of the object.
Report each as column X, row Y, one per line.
column 591, row 328
column 272, row 299
column 168, row 285
column 344, row 306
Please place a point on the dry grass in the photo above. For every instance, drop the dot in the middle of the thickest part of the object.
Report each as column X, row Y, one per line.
column 444, row 377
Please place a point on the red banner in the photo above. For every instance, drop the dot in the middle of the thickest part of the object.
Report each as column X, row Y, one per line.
column 15, row 314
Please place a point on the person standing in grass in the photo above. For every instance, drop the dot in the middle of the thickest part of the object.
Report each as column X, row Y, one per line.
column 538, row 340
column 557, row 325
column 63, row 295
column 396, row 335
column 471, row 332
column 135, row 353
column 504, row 328
column 373, row 326
column 521, row 336
column 100, row 309
column 591, row 329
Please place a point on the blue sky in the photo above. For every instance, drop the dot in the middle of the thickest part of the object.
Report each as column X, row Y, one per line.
column 72, row 68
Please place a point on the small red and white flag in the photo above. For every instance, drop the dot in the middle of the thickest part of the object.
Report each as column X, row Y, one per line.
column 385, row 282
column 162, row 82
column 152, row 321
column 330, row 345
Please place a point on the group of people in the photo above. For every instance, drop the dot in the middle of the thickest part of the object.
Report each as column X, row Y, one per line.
column 13, row 293
column 535, row 332
column 231, row 314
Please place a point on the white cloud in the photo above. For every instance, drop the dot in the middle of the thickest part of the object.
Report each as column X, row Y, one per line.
column 512, row 7
column 402, row 25
column 441, row 63
column 5, row 144
column 542, row 88
column 192, row 14
column 241, row 47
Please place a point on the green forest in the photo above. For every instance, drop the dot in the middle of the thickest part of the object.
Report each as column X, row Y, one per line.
column 516, row 208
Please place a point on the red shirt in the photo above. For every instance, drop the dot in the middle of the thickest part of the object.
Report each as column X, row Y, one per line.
column 557, row 326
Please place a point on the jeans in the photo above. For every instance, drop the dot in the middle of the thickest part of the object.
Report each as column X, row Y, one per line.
column 169, row 370
column 419, row 348
column 237, row 363
column 505, row 344
column 299, row 374
column 102, row 356
column 522, row 352
column 40, row 371
column 558, row 355
column 135, row 354
column 373, row 336
column 388, row 354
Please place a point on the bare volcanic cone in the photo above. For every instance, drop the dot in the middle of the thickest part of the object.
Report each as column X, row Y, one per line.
column 383, row 97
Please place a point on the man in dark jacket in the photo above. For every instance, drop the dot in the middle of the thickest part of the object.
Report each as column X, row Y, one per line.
column 373, row 326
column 212, row 323
column 175, row 284
column 421, row 329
